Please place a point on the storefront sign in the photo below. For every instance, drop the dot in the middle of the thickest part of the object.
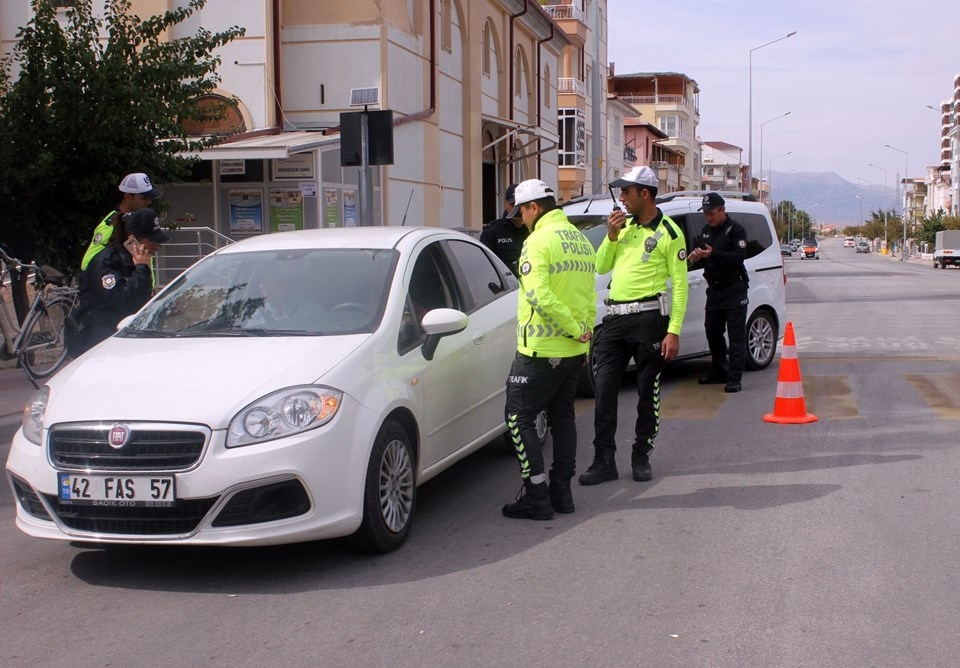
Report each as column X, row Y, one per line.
column 297, row 166
column 232, row 168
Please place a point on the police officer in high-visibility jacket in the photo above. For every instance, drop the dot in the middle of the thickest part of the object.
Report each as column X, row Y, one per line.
column 136, row 192
column 556, row 309
column 644, row 249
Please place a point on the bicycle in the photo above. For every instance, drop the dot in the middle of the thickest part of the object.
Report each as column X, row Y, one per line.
column 37, row 345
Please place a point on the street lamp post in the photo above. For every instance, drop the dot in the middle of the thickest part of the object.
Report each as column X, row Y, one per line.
column 884, row 202
column 870, row 201
column 906, row 170
column 750, row 110
column 760, row 183
column 770, row 170
column 860, row 222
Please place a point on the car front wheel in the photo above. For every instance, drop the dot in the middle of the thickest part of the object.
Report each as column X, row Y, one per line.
column 761, row 340
column 390, row 492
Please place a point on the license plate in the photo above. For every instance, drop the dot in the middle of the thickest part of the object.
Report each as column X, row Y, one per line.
column 116, row 490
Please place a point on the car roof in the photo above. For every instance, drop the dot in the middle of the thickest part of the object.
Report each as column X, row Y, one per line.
column 601, row 204
column 387, row 237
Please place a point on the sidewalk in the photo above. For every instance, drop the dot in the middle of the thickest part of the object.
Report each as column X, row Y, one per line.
column 15, row 391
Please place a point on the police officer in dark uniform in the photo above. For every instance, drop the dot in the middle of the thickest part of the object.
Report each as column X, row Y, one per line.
column 721, row 249
column 505, row 236
column 118, row 280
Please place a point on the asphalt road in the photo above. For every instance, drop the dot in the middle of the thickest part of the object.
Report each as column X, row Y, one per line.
column 756, row 544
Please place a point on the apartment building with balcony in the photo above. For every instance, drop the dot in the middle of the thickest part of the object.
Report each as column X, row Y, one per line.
column 722, row 166
column 470, row 86
column 585, row 155
column 950, row 147
column 671, row 101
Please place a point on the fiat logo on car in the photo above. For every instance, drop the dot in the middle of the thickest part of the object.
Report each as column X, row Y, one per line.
column 119, row 436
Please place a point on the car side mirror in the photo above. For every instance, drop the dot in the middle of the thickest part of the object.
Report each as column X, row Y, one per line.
column 438, row 323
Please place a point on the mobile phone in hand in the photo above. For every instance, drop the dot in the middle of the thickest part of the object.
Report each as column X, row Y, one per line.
column 131, row 244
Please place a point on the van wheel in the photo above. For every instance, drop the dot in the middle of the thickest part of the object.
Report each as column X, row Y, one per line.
column 761, row 340
column 390, row 493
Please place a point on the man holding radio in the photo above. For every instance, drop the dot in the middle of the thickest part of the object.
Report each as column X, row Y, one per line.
column 643, row 248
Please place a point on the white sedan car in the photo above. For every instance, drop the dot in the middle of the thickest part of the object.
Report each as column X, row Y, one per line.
column 290, row 387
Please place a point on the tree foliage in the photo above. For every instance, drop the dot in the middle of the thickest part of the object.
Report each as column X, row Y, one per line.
column 791, row 222
column 85, row 102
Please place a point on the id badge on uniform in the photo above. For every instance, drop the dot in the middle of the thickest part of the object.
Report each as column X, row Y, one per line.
column 664, row 303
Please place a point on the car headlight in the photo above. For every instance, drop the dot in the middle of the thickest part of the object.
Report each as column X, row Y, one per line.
column 283, row 413
column 33, row 415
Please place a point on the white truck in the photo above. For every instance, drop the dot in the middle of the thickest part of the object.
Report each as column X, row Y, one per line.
column 946, row 250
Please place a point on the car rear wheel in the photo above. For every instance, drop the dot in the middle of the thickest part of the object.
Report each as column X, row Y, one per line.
column 390, row 492
column 761, row 340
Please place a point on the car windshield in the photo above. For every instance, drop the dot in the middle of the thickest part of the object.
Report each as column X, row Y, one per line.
column 809, row 242
column 310, row 292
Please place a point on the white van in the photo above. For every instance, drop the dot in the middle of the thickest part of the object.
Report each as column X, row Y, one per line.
column 767, row 312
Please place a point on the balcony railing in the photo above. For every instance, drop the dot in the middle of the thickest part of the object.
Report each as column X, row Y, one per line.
column 558, row 12
column 569, row 85
column 186, row 246
column 655, row 99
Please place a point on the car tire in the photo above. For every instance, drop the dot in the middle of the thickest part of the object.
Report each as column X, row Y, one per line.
column 390, row 492
column 761, row 340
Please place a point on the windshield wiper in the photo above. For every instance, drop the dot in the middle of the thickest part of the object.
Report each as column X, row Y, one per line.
column 240, row 332
column 147, row 334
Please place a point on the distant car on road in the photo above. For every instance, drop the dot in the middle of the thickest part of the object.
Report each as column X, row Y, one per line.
column 811, row 248
column 863, row 246
column 849, row 242
column 786, row 249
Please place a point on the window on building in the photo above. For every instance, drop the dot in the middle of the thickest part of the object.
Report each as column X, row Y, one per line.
column 446, row 25
column 487, row 49
column 546, row 87
column 672, row 125
column 572, row 149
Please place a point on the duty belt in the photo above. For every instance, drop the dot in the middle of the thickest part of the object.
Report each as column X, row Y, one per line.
column 633, row 307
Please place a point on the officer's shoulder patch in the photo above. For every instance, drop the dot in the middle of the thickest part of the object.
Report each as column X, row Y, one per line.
column 682, row 254
column 109, row 281
column 742, row 243
column 525, row 268
column 98, row 237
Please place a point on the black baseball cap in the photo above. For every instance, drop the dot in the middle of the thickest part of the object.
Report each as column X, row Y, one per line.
column 509, row 196
column 711, row 201
column 145, row 223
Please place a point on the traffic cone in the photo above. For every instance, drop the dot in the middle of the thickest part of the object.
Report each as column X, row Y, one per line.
column 789, row 406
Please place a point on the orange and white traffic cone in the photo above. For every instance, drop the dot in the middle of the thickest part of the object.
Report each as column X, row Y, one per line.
column 789, row 406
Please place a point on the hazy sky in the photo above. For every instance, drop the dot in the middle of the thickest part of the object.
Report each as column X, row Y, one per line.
column 857, row 75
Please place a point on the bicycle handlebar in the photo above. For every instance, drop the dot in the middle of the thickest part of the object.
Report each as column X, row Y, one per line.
column 46, row 273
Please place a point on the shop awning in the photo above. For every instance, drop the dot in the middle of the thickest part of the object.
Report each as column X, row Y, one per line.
column 514, row 130
column 278, row 146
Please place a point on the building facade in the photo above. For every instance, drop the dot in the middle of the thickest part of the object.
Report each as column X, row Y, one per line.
column 722, row 166
column 470, row 87
column 671, row 101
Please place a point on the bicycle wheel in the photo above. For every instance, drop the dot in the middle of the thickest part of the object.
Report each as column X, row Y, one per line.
column 42, row 350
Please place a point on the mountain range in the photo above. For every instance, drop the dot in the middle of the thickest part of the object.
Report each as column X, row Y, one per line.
column 831, row 199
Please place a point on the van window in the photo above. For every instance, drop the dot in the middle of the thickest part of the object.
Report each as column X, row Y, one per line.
column 759, row 237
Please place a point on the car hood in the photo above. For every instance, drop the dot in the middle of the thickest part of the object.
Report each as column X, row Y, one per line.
column 188, row 380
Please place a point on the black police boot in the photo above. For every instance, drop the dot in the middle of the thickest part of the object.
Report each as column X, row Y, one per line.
column 561, row 498
column 533, row 503
column 642, row 471
column 733, row 385
column 713, row 377
column 603, row 468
